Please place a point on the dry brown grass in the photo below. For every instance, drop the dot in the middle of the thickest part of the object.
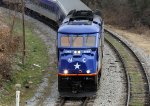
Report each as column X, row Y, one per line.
column 8, row 46
column 141, row 29
column 5, row 64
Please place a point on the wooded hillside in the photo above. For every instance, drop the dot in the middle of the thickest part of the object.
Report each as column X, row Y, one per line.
column 127, row 13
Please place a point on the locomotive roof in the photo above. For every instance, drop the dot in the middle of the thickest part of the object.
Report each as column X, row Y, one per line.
column 83, row 21
column 78, row 29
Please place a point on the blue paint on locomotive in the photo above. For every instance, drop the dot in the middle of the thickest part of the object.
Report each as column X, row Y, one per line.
column 80, row 29
column 84, row 62
column 88, row 56
column 87, row 59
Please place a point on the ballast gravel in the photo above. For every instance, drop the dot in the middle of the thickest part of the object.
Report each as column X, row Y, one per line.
column 139, row 52
column 112, row 91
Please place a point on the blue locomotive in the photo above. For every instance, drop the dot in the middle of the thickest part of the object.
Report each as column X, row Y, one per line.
column 80, row 52
column 80, row 43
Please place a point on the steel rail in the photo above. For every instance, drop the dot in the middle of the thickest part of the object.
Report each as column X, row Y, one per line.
column 63, row 101
column 125, row 71
column 144, row 74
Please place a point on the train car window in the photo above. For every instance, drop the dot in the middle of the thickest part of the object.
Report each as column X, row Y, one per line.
column 90, row 41
column 65, row 41
column 77, row 41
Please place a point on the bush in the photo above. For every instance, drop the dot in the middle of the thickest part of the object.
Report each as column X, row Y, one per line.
column 8, row 46
column 5, row 67
column 145, row 19
column 126, row 13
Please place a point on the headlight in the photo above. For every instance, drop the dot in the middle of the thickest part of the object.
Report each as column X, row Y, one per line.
column 75, row 52
column 88, row 71
column 79, row 52
column 65, row 71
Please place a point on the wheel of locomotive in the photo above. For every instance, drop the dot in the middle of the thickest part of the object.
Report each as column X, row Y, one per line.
column 99, row 76
column 96, row 82
column 59, row 83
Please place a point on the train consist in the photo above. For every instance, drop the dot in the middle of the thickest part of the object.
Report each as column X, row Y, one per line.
column 79, row 47
column 80, row 43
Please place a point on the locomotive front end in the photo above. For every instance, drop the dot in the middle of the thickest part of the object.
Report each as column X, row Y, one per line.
column 77, row 64
column 78, row 57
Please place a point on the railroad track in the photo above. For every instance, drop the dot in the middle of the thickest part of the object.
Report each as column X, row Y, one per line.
column 75, row 101
column 137, row 83
column 137, row 92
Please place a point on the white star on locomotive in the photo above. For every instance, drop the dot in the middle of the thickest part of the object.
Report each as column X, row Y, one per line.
column 77, row 66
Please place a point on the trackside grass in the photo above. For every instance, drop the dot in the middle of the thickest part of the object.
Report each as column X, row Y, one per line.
column 29, row 75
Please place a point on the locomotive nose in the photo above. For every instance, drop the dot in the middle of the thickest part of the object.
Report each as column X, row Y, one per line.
column 77, row 62
column 77, row 65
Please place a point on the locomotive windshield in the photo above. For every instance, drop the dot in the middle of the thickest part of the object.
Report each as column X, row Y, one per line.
column 78, row 41
column 65, row 41
column 90, row 41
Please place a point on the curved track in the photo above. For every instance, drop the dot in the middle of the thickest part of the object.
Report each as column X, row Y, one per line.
column 137, row 83
column 124, row 69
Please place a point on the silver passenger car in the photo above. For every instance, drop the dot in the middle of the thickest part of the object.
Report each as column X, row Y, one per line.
column 68, row 5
